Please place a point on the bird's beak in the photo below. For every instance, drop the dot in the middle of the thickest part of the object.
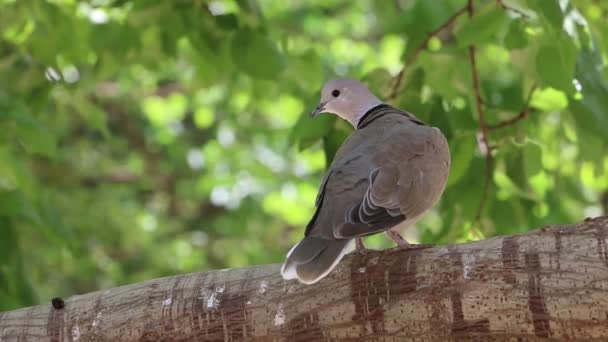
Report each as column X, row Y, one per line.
column 320, row 108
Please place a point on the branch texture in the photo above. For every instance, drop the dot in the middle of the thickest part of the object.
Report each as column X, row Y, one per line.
column 548, row 283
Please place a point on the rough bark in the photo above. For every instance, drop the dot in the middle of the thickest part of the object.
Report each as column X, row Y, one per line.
column 550, row 283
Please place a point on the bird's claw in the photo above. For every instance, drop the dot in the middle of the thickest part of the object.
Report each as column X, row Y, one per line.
column 360, row 247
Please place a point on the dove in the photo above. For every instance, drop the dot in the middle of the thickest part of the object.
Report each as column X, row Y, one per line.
column 383, row 178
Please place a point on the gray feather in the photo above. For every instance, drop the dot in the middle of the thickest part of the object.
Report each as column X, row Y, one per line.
column 391, row 169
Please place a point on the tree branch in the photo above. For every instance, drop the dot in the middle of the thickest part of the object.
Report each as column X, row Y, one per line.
column 485, row 144
column 399, row 77
column 522, row 114
column 550, row 283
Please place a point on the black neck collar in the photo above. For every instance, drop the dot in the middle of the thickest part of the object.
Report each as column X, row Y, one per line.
column 361, row 122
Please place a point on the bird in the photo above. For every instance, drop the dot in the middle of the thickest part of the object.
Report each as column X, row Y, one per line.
column 384, row 177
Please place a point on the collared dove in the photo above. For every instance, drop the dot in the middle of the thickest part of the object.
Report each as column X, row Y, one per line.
column 388, row 172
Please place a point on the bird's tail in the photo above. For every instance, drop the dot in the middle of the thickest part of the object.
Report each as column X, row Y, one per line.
column 313, row 258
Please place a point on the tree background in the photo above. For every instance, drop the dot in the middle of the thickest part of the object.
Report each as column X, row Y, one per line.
column 141, row 139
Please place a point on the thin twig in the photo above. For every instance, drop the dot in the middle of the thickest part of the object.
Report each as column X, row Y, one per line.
column 522, row 114
column 420, row 48
column 470, row 8
column 512, row 9
column 484, row 133
column 482, row 123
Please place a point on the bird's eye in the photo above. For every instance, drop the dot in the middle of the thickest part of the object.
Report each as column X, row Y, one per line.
column 335, row 93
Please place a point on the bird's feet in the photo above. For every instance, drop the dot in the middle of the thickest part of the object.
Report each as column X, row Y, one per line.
column 360, row 247
column 403, row 244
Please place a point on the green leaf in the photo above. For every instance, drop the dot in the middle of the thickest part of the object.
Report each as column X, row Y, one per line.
column 307, row 71
column 509, row 210
column 466, row 194
column 227, row 21
column 516, row 37
column 10, row 203
column 482, row 27
column 422, row 17
column 532, row 155
column 94, row 115
column 591, row 112
column 446, row 74
column 333, row 141
column 589, row 145
column 379, row 79
column 549, row 100
column 550, row 12
column 37, row 140
column 8, row 243
column 462, row 150
column 33, row 136
column 162, row 111
column 438, row 117
column 15, row 287
column 203, row 117
column 309, row 130
column 257, row 55
column 555, row 64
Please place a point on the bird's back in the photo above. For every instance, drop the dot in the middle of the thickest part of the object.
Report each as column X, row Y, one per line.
column 388, row 139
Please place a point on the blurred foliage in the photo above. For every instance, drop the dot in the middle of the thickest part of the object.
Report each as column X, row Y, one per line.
column 141, row 139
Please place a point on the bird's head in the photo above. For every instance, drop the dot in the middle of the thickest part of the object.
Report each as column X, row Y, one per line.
column 347, row 98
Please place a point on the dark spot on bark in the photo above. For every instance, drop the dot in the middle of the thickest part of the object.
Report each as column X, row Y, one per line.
column 98, row 304
column 456, row 259
column 510, row 258
column 368, row 292
column 58, row 303
column 55, row 324
column 558, row 249
column 371, row 290
column 460, row 326
column 602, row 249
column 402, row 275
column 233, row 309
column 305, row 327
column 536, row 297
column 436, row 309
